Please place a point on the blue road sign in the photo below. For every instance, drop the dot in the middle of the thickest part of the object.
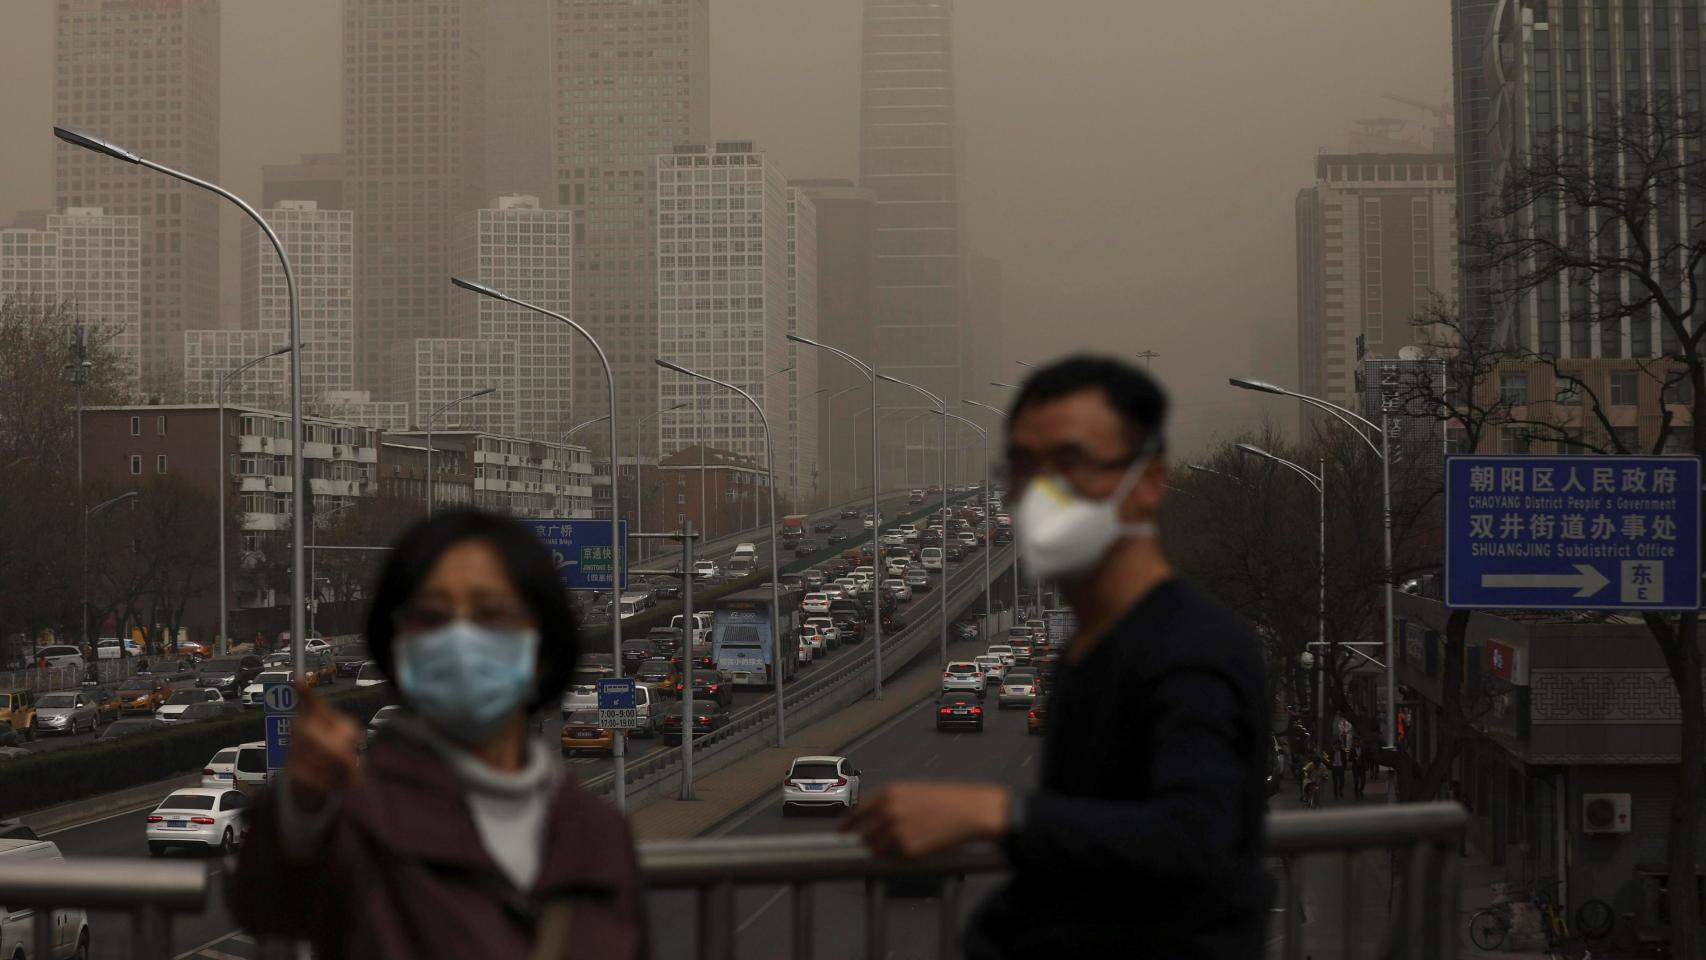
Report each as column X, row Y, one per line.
column 278, row 740
column 279, row 698
column 582, row 551
column 616, row 693
column 1572, row 533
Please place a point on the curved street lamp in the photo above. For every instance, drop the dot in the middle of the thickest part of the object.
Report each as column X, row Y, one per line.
column 219, row 493
column 942, row 408
column 434, row 416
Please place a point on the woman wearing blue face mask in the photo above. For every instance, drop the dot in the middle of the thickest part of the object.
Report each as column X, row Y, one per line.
column 457, row 835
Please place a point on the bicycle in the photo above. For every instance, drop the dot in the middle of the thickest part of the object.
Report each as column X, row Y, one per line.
column 1596, row 919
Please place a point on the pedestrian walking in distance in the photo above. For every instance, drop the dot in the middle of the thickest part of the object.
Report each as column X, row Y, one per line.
column 1338, row 765
column 1360, row 759
column 457, row 835
column 1143, row 835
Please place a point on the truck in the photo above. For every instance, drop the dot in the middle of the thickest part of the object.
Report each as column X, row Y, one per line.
column 742, row 643
column 1062, row 624
column 794, row 527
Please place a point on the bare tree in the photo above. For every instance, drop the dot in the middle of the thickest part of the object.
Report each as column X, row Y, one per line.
column 1609, row 214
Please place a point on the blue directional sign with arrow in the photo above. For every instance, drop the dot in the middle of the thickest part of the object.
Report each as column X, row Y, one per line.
column 582, row 551
column 1572, row 533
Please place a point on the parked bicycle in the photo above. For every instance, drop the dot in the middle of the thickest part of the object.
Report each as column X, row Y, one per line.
column 1595, row 919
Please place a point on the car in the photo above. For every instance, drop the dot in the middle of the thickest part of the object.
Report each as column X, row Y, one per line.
column 709, row 685
column 221, row 770
column 278, row 661
column 66, row 711
column 1022, row 649
column 114, row 648
column 582, row 691
column 815, row 603
column 380, row 719
column 107, row 704
column 1039, row 629
column 849, row 586
column 125, row 727
column 804, row 653
column 181, row 670
column 255, row 693
column 918, row 579
column 210, row 818
column 66, row 930
column 666, row 589
column 825, row 626
column 837, row 538
column 18, row 707
column 323, row 667
column 994, row 668
column 208, row 710
column 659, row 674
column 1002, row 650
column 931, row 558
column 350, row 657
column 820, row 782
column 810, row 637
column 916, row 496
column 636, row 652
column 181, row 699
column 1003, row 535
column 701, row 658
column 1046, row 665
column 229, row 675
column 1019, row 688
column 892, row 539
column 898, row 589
column 143, row 695
column 701, row 626
column 195, row 650
column 959, row 711
column 60, row 655
column 868, row 522
column 311, row 645
column 599, row 664
column 849, row 513
column 1037, row 717
column 705, row 570
column 823, row 526
column 806, row 548
column 896, row 566
column 664, row 639
column 953, row 553
column 370, row 674
column 708, row 718
column 963, row 676
column 581, row 733
column 969, row 540
column 812, row 579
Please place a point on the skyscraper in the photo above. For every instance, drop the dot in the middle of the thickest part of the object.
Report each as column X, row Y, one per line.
column 909, row 156
column 91, row 261
column 317, row 176
column 1377, row 239
column 518, row 99
column 632, row 80
column 800, row 480
column 515, row 246
column 414, row 151
column 1470, row 86
column 846, row 265
column 146, row 75
column 723, row 296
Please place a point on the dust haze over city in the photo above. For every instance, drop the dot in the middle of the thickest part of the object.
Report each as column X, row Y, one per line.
column 1131, row 163
column 829, row 478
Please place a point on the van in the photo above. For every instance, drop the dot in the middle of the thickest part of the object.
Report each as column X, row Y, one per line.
column 249, row 774
column 70, row 936
column 746, row 550
column 931, row 558
column 701, row 625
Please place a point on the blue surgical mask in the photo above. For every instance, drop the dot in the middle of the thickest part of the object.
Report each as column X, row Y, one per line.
column 466, row 679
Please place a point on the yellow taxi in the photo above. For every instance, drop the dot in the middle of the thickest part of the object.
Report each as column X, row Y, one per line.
column 581, row 733
column 324, row 667
column 108, row 706
column 142, row 694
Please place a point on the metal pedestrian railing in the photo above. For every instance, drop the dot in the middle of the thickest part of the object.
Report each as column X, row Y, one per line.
column 151, row 892
column 1422, row 837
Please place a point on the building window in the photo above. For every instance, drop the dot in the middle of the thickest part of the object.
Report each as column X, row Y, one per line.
column 136, row 426
column 1626, row 437
column 1680, row 391
column 1623, row 389
column 135, row 465
column 1513, row 389
column 1513, row 440
column 1569, row 393
column 160, row 424
column 160, row 464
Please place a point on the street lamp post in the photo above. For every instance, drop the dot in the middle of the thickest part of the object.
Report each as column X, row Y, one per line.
column 941, row 407
column 618, row 550
column 219, row 489
column 97, row 508
column 577, row 428
column 870, row 372
column 988, row 518
column 298, row 485
column 1319, row 482
column 1383, row 451
column 639, row 494
column 776, row 663
column 829, row 467
column 1146, row 356
column 434, row 416
column 989, row 545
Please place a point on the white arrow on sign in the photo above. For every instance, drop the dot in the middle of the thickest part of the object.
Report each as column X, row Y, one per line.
column 1586, row 581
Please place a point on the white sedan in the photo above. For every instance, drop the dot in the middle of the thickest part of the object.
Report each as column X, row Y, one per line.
column 898, row 589
column 994, row 668
column 815, row 603
column 1002, row 650
column 210, row 818
column 221, row 770
column 705, row 570
column 820, row 782
column 825, row 628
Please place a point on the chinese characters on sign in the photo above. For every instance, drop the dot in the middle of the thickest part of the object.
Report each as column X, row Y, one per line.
column 1573, row 532
column 582, row 551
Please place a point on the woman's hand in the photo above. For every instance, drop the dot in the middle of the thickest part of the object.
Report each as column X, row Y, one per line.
column 325, row 745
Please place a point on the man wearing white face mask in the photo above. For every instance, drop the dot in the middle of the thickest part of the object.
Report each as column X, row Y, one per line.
column 1143, row 836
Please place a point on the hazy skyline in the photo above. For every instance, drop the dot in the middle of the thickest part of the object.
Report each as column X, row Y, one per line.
column 1132, row 164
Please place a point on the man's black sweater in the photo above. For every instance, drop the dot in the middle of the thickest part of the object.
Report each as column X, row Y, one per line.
column 1144, row 835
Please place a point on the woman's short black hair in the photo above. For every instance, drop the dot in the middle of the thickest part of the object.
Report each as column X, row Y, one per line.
column 1134, row 395
column 531, row 569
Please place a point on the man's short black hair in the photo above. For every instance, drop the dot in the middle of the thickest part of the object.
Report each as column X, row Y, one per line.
column 531, row 570
column 1133, row 394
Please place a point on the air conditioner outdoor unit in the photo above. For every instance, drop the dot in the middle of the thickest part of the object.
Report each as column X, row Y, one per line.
column 1605, row 813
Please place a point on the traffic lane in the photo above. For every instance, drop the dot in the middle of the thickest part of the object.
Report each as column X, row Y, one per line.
column 922, row 608
column 760, row 535
column 908, row 748
column 123, row 836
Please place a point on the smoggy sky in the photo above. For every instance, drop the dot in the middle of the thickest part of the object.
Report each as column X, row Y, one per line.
column 1132, row 163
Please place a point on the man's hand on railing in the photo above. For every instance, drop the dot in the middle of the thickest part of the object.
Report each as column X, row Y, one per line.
column 920, row 819
column 325, row 748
